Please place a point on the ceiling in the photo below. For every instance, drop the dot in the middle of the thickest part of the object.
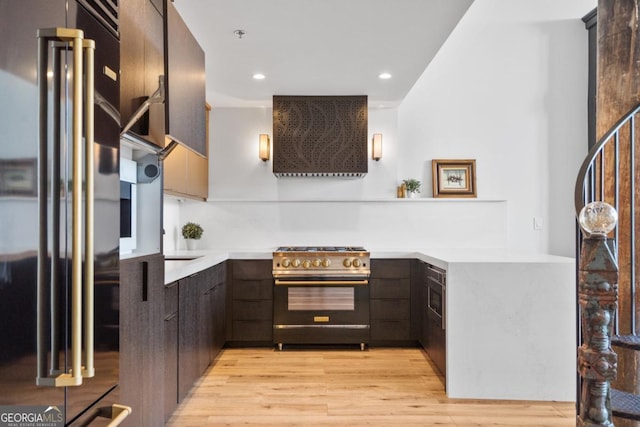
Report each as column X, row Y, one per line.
column 317, row 47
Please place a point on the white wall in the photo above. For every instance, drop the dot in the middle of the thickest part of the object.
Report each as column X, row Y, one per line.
column 404, row 225
column 236, row 172
column 507, row 88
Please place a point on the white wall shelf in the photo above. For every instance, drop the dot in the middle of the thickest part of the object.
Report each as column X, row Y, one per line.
column 371, row 200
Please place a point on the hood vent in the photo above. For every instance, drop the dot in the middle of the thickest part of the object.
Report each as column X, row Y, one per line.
column 320, row 136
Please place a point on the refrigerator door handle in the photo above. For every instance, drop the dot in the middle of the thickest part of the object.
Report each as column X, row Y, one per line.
column 116, row 413
column 75, row 38
column 88, row 48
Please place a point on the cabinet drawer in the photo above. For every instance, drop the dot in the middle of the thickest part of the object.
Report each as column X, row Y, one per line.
column 252, row 310
column 253, row 289
column 390, row 268
column 390, row 330
column 253, row 269
column 390, row 309
column 390, row 288
column 252, row 330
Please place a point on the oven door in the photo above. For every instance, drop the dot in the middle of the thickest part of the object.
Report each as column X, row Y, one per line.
column 321, row 310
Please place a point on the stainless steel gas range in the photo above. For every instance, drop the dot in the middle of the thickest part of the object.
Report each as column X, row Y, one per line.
column 321, row 295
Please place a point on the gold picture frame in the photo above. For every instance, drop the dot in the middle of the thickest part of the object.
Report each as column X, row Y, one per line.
column 454, row 178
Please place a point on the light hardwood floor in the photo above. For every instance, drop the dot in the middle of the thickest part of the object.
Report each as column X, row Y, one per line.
column 338, row 387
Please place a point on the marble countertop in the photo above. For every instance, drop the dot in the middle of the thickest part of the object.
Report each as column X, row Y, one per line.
column 181, row 264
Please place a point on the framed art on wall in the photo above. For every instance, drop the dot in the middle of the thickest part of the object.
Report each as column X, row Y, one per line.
column 454, row 178
column 18, row 177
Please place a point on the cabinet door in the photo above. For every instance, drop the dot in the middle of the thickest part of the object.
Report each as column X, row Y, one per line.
column 218, row 311
column 170, row 350
column 187, row 173
column 141, row 64
column 142, row 338
column 219, row 319
column 188, row 336
column 185, row 84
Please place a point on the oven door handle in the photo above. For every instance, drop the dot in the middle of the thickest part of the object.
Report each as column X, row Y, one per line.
column 322, row 282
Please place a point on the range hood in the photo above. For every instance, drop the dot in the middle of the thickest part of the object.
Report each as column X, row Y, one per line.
column 320, row 136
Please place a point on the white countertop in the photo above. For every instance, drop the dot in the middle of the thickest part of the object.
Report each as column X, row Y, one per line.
column 440, row 257
column 504, row 310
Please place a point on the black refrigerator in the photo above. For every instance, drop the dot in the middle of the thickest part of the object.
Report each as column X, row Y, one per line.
column 59, row 212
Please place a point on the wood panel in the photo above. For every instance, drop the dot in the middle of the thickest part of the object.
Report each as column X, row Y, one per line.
column 188, row 334
column 337, row 387
column 142, row 339
column 170, row 349
column 618, row 90
column 185, row 85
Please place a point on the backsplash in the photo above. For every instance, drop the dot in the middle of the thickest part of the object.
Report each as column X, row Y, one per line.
column 374, row 224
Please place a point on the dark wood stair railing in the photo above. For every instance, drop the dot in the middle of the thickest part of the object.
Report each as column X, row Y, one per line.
column 607, row 175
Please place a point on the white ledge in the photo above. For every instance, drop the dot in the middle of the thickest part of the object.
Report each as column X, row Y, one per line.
column 366, row 200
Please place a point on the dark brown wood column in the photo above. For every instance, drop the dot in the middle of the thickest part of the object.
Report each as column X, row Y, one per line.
column 618, row 90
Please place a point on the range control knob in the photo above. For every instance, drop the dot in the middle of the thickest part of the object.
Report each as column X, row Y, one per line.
column 346, row 262
column 306, row 263
column 295, row 263
column 316, row 263
column 326, row 262
column 357, row 263
column 286, row 263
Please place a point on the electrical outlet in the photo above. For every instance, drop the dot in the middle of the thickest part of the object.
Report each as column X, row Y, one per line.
column 538, row 222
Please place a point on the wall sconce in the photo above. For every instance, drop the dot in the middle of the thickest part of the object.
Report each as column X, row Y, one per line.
column 264, row 147
column 376, row 146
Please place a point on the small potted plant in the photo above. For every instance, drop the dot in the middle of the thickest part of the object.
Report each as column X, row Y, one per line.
column 192, row 232
column 412, row 186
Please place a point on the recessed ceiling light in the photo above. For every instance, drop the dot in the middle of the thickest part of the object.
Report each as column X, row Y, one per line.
column 258, row 76
column 384, row 76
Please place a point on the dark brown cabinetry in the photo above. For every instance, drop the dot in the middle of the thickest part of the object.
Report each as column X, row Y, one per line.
column 390, row 301
column 211, row 310
column 142, row 339
column 186, row 174
column 185, row 83
column 433, row 314
column 188, row 339
column 141, row 65
column 251, row 302
column 194, row 330
column 170, row 349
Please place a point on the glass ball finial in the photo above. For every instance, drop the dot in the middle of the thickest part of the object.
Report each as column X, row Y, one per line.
column 598, row 218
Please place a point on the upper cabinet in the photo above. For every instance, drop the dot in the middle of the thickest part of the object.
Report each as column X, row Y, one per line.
column 141, row 66
column 185, row 84
column 157, row 45
column 186, row 174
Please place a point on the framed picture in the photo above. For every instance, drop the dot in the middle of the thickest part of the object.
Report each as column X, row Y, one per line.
column 18, row 177
column 454, row 178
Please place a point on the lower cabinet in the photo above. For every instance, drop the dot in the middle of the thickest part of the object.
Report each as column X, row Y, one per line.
column 433, row 316
column 142, row 339
column 194, row 326
column 390, row 301
column 170, row 349
column 251, row 300
column 188, row 329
